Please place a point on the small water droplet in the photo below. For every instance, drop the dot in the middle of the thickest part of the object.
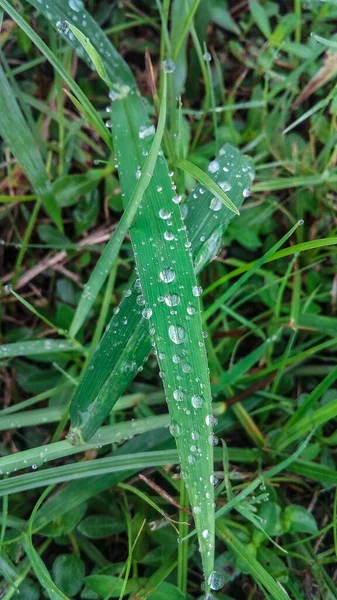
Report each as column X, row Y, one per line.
column 246, row 193
column 191, row 310
column 207, row 57
column 147, row 313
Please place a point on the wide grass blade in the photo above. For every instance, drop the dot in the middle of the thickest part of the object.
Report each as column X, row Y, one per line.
column 126, row 342
column 16, row 133
column 169, row 295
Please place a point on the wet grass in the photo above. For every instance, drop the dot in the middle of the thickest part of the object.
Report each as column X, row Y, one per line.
column 168, row 366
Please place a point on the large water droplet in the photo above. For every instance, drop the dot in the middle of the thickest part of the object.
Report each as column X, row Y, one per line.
column 177, row 334
column 62, row 26
column 76, row 5
column 216, row 580
column 225, row 186
column 168, row 66
column 178, row 395
column 215, row 204
column 167, row 274
column 164, row 214
column 172, row 300
column 169, row 236
column 197, row 401
column 197, row 290
column 145, row 131
column 214, row 166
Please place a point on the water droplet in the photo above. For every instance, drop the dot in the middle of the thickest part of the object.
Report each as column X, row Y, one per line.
column 197, row 290
column 176, row 358
column 216, row 580
column 76, row 5
column 172, row 300
column 177, row 334
column 159, row 188
column 145, row 131
column 177, row 198
column 178, row 395
column 225, row 186
column 167, row 275
column 207, row 56
column 34, row 467
column 108, row 124
column 215, row 204
column 140, row 300
column 214, row 166
column 213, row 440
column 211, row 420
column 169, row 236
column 164, row 214
column 213, row 479
column 195, row 435
column 197, row 510
column 191, row 310
column 147, row 313
column 162, row 355
column 62, row 26
column 197, row 401
column 7, row 289
column 186, row 368
column 175, row 429
column 206, row 534
column 168, row 66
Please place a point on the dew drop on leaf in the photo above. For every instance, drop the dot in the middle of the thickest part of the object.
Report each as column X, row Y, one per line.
column 197, row 290
column 197, row 401
column 167, row 274
column 177, row 334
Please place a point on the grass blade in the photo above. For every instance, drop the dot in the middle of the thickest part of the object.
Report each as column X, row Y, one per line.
column 116, row 361
column 205, row 180
column 111, row 250
column 16, row 133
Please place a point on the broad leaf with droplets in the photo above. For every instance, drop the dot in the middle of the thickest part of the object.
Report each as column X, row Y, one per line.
column 126, row 342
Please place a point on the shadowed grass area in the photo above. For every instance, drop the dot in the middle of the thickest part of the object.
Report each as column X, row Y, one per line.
column 168, row 196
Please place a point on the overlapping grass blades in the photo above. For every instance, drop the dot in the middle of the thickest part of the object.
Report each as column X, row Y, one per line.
column 126, row 342
column 159, row 264
column 18, row 136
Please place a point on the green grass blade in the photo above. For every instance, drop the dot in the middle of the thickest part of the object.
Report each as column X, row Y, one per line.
column 205, row 180
column 266, row 581
column 111, row 251
column 36, row 347
column 169, row 289
column 16, row 133
column 115, row 363
column 90, row 111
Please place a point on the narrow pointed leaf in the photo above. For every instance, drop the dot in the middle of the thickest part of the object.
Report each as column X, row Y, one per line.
column 19, row 138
